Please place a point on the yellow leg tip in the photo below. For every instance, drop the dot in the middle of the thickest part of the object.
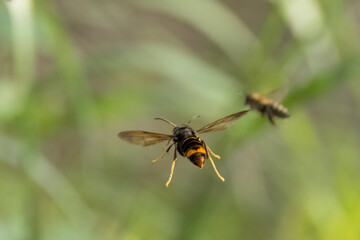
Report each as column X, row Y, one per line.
column 171, row 172
column 216, row 171
column 215, row 155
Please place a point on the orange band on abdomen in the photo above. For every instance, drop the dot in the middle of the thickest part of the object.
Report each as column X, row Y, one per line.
column 192, row 151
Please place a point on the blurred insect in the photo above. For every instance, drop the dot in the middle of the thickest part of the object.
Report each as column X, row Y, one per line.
column 185, row 140
column 266, row 106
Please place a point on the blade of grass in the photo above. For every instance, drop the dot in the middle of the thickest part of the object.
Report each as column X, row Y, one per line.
column 72, row 75
column 51, row 181
column 187, row 70
column 213, row 19
column 23, row 52
column 310, row 29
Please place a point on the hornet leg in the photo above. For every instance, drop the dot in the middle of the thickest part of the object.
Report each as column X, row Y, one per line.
column 270, row 115
column 162, row 156
column 213, row 164
column 172, row 169
column 215, row 155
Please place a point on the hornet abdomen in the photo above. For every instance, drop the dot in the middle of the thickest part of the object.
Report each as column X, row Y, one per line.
column 193, row 148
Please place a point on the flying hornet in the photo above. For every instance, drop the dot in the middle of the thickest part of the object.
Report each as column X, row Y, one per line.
column 266, row 106
column 185, row 141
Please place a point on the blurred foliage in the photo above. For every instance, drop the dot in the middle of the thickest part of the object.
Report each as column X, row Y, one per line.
column 75, row 73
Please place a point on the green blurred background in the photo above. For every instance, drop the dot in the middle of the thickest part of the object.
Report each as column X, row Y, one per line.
column 75, row 73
